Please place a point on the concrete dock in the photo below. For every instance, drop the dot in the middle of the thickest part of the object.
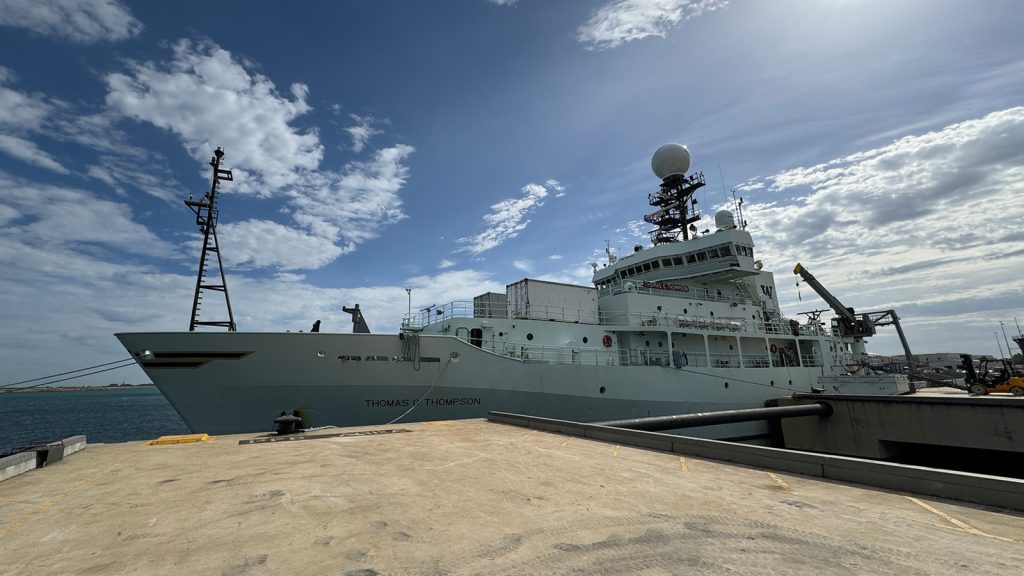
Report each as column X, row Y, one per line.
column 472, row 497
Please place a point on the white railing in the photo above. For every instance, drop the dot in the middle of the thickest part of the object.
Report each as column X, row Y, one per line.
column 466, row 309
column 705, row 294
column 530, row 352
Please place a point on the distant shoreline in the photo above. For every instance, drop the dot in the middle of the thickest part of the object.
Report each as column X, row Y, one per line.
column 75, row 388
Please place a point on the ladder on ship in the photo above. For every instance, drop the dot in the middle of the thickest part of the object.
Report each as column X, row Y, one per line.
column 206, row 218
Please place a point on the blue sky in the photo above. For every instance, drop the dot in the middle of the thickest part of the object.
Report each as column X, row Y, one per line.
column 455, row 147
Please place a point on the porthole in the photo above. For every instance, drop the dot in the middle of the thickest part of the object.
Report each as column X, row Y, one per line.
column 601, row 389
column 500, row 334
column 321, row 354
column 773, row 382
column 685, row 311
column 712, row 312
column 659, row 343
column 647, row 343
column 730, row 346
column 529, row 336
column 585, row 340
column 726, row 384
column 790, row 382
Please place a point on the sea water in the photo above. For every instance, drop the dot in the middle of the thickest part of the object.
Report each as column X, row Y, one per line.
column 108, row 415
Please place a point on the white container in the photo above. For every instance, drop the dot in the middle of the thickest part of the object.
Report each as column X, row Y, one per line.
column 540, row 300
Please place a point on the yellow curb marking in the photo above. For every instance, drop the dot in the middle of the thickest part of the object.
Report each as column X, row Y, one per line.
column 682, row 464
column 781, row 482
column 960, row 525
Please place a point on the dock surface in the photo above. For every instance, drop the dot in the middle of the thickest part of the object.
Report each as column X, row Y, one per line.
column 471, row 497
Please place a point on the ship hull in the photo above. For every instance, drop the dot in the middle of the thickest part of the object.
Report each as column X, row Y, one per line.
column 222, row 383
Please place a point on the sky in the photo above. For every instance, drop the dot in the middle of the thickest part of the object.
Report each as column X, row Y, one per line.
column 454, row 147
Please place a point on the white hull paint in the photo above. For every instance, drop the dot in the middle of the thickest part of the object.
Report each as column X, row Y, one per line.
column 302, row 371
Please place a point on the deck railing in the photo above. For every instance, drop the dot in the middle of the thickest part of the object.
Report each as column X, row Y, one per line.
column 466, row 309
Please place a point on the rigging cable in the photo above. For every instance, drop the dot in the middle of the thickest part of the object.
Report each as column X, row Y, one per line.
column 130, row 362
column 417, row 403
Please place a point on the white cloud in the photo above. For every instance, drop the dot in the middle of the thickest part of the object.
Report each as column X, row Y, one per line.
column 73, row 218
column 209, row 99
column 929, row 224
column 555, row 257
column 506, row 219
column 352, row 205
column 503, row 2
column 362, row 131
column 20, row 110
column 79, row 21
column 262, row 243
column 119, row 172
column 622, row 21
column 523, row 265
column 445, row 263
column 28, row 152
column 21, row 114
column 557, row 187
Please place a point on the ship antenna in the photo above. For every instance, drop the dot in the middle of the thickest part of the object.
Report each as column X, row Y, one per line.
column 608, row 250
column 677, row 208
column 206, row 218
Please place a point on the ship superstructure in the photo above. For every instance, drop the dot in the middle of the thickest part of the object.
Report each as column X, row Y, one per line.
column 689, row 323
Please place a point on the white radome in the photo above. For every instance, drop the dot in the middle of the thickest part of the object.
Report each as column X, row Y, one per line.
column 724, row 220
column 669, row 160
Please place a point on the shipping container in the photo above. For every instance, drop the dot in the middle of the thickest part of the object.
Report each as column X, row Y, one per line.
column 540, row 300
column 490, row 305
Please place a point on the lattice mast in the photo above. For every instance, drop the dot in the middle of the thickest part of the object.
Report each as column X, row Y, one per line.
column 677, row 208
column 206, row 218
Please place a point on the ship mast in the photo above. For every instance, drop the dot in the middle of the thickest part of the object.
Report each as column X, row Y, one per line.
column 206, row 218
column 677, row 208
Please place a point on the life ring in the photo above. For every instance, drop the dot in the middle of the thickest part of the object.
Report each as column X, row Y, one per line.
column 607, row 341
column 774, row 348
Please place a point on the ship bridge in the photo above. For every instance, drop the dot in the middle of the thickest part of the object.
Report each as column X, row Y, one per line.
column 727, row 254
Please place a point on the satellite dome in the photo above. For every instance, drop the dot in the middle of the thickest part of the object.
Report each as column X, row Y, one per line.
column 724, row 220
column 669, row 160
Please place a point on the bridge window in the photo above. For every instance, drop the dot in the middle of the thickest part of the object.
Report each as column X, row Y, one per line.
column 724, row 251
column 691, row 258
column 655, row 265
column 666, row 262
column 677, row 260
column 702, row 256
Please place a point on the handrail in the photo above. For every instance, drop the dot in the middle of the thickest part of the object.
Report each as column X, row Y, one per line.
column 467, row 309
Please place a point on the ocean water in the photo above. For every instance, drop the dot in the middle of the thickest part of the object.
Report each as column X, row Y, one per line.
column 102, row 415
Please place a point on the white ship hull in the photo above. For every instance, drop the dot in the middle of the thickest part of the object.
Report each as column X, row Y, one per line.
column 224, row 383
column 689, row 324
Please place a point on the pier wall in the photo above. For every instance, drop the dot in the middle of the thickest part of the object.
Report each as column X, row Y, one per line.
column 39, row 456
column 877, row 426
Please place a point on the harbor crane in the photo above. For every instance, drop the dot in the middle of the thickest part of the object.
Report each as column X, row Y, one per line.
column 848, row 323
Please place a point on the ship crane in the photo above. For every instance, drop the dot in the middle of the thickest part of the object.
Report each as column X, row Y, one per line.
column 849, row 324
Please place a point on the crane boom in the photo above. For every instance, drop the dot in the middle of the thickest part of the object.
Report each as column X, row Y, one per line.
column 849, row 323
column 833, row 302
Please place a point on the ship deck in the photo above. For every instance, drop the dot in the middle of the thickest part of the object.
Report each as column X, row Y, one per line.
column 469, row 497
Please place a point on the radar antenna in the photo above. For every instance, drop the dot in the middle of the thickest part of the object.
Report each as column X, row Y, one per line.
column 206, row 218
column 677, row 208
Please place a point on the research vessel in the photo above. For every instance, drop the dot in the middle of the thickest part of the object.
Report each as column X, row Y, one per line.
column 689, row 323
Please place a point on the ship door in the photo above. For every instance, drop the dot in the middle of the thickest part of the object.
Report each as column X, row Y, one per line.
column 476, row 337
